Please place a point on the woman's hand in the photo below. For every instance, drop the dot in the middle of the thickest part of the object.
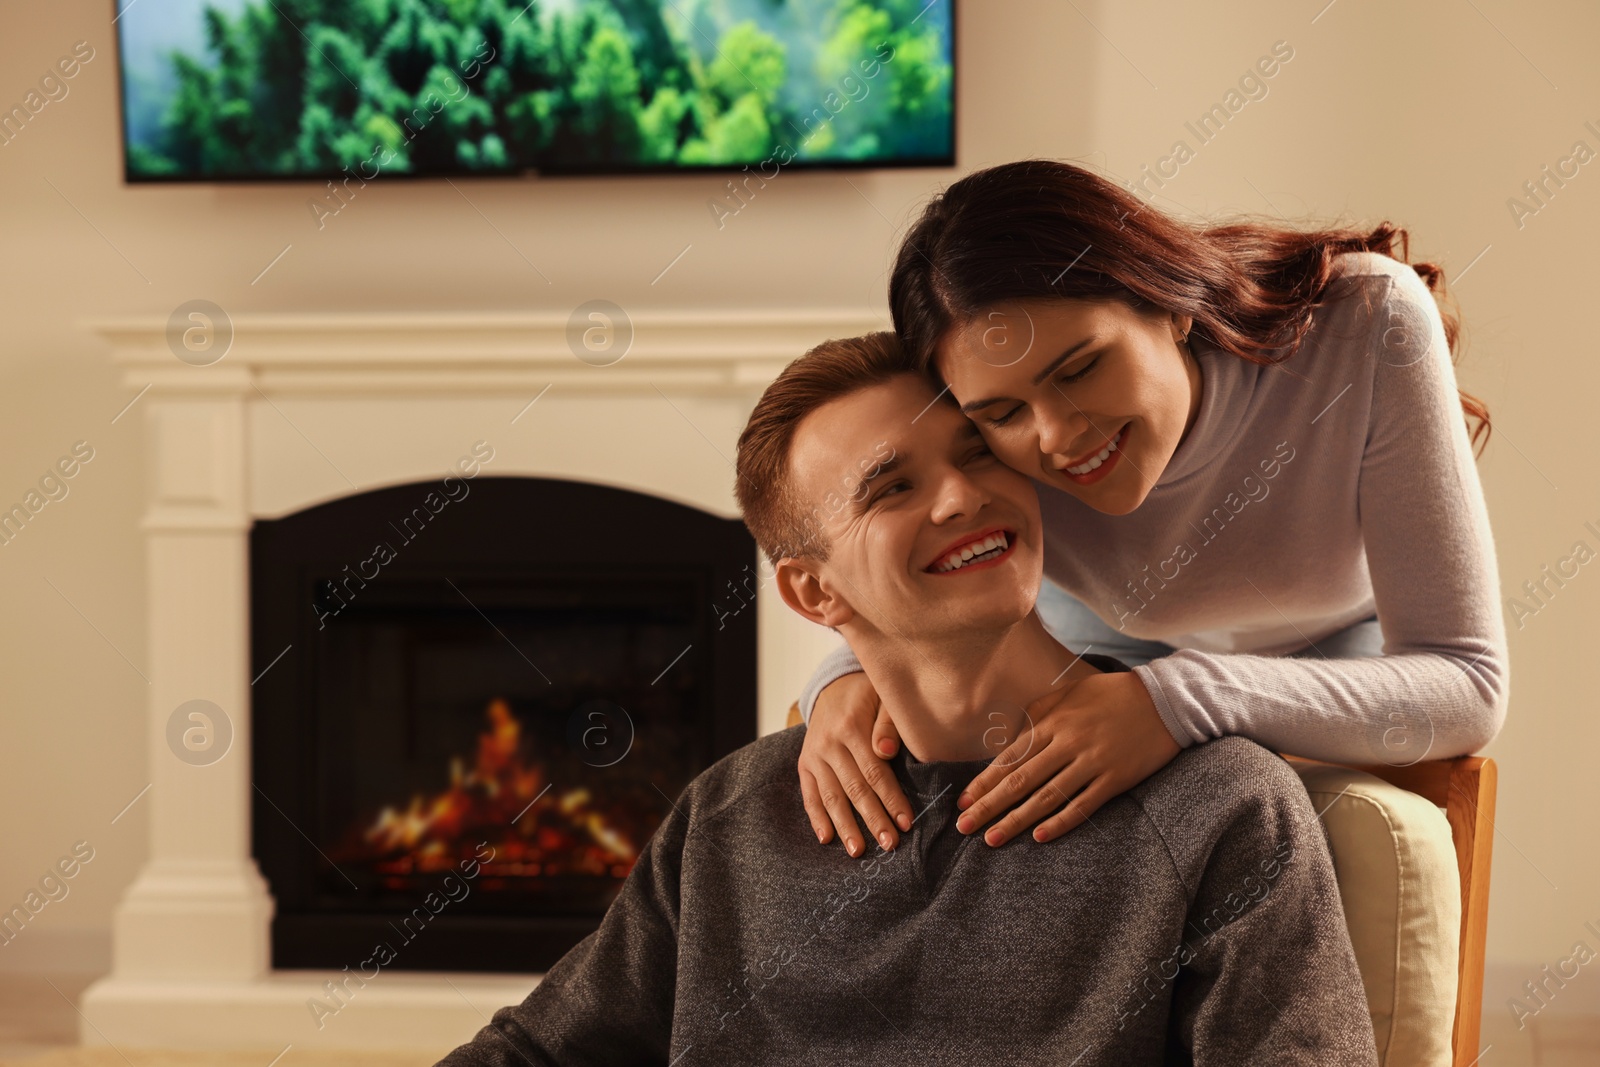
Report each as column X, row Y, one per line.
column 1102, row 736
column 842, row 763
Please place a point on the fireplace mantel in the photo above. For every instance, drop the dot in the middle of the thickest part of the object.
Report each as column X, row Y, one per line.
column 306, row 408
column 480, row 352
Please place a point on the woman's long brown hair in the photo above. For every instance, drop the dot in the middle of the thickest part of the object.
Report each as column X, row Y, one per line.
column 1041, row 228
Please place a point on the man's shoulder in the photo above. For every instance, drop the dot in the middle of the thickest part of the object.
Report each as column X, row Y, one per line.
column 765, row 767
column 1215, row 780
column 1230, row 752
column 1226, row 790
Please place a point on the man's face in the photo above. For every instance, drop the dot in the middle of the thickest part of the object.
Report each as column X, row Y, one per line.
column 930, row 533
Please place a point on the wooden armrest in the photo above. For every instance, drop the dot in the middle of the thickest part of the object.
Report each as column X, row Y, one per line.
column 1465, row 787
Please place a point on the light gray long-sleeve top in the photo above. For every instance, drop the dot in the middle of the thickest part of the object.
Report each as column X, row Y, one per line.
column 1306, row 496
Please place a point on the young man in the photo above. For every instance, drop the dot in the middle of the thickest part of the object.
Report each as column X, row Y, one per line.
column 1194, row 919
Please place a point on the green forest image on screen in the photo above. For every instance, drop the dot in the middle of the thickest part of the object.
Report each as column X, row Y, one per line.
column 284, row 88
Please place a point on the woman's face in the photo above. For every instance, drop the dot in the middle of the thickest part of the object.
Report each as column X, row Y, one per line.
column 1054, row 383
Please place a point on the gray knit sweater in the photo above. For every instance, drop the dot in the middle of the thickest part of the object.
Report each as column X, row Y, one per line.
column 1195, row 919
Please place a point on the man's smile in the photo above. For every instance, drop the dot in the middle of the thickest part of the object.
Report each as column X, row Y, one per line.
column 986, row 547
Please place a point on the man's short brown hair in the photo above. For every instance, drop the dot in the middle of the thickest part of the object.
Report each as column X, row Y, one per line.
column 782, row 523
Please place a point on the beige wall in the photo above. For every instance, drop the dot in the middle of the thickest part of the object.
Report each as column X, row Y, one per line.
column 1426, row 114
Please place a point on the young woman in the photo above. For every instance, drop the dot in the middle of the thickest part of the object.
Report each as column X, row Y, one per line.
column 1257, row 485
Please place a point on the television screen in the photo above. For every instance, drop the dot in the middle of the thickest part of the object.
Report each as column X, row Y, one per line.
column 264, row 89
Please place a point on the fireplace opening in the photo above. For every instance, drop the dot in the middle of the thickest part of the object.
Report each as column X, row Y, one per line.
column 467, row 726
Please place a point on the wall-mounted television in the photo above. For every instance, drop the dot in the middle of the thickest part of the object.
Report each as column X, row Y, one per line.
column 259, row 90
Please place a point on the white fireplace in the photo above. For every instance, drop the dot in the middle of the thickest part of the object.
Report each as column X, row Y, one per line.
column 307, row 408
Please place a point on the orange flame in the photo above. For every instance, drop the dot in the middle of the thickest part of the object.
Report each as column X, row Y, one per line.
column 548, row 831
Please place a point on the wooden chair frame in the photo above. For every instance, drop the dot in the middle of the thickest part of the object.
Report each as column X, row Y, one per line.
column 1465, row 787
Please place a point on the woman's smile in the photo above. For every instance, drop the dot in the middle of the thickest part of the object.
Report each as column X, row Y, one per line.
column 1095, row 464
column 1100, row 456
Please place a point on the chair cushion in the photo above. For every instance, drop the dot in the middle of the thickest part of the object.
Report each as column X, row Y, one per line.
column 1401, row 890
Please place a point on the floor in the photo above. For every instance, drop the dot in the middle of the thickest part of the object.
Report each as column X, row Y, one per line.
column 1561, row 1055
column 34, row 1018
column 107, row 1057
column 39, row 1028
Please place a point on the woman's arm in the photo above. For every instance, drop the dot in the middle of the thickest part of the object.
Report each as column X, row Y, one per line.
column 1440, row 689
column 842, row 759
column 835, row 665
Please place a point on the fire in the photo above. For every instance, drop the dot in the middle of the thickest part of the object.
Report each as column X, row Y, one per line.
column 537, row 829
